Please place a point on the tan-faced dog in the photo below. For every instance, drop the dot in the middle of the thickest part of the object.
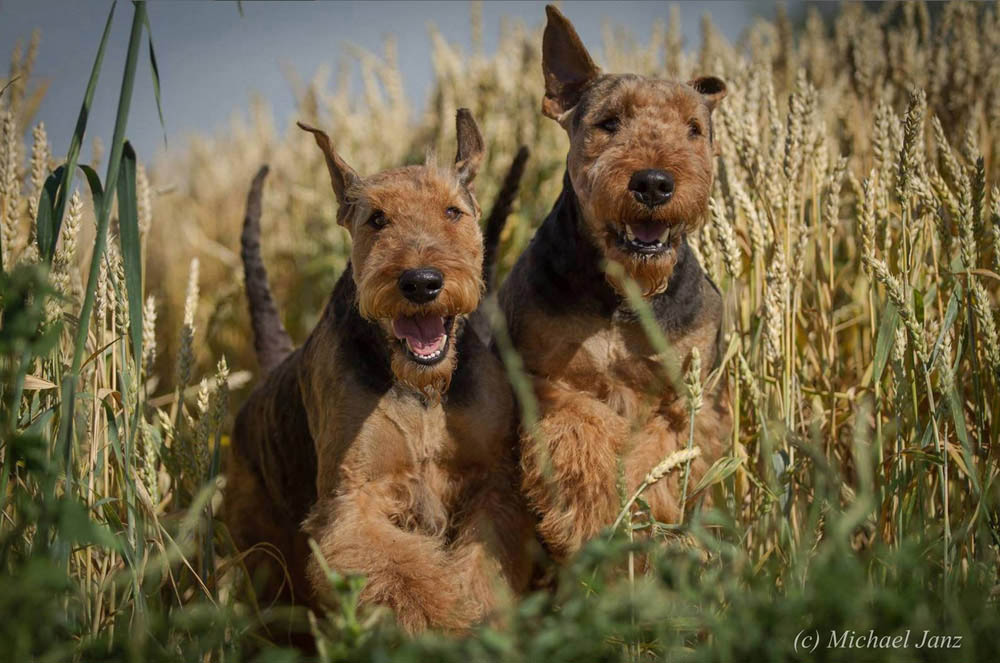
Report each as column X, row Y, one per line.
column 638, row 179
column 388, row 436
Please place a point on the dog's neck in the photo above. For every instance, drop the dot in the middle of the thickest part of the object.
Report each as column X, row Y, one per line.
column 568, row 277
column 362, row 343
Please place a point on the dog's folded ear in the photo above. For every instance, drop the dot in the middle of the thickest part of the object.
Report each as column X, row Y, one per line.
column 566, row 65
column 471, row 147
column 342, row 176
column 712, row 89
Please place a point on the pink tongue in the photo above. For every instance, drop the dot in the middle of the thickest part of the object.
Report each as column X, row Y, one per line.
column 422, row 332
column 648, row 232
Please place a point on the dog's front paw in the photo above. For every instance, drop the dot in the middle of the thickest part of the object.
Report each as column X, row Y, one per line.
column 425, row 598
column 570, row 464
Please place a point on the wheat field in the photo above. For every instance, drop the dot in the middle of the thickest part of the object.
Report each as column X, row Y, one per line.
column 854, row 230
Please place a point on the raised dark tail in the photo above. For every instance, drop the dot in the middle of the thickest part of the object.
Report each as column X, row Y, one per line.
column 270, row 339
column 497, row 219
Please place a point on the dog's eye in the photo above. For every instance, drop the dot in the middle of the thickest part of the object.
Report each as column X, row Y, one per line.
column 610, row 124
column 694, row 129
column 377, row 220
column 453, row 213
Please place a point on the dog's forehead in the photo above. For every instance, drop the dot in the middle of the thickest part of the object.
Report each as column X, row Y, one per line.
column 631, row 92
column 410, row 189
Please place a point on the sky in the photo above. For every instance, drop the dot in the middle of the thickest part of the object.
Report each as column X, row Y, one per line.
column 212, row 60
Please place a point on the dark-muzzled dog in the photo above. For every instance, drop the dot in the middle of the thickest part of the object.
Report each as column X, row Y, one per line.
column 638, row 180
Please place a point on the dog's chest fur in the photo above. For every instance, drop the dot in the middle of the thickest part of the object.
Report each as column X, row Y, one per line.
column 405, row 435
column 368, row 427
column 432, row 453
column 576, row 333
column 612, row 360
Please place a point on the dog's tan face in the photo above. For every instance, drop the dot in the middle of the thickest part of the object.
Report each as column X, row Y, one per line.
column 641, row 153
column 417, row 255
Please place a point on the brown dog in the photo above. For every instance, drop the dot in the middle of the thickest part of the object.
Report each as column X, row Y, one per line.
column 388, row 436
column 638, row 179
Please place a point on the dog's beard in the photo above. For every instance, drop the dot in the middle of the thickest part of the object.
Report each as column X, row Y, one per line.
column 645, row 247
column 422, row 338
column 650, row 273
column 643, row 240
column 429, row 377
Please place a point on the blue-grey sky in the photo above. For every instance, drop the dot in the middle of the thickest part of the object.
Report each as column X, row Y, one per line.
column 212, row 60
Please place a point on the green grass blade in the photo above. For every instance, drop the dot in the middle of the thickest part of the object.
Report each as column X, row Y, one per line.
column 45, row 231
column 81, row 127
column 156, row 79
column 128, row 223
column 100, row 240
column 886, row 338
column 720, row 470
column 961, row 430
column 96, row 188
column 949, row 320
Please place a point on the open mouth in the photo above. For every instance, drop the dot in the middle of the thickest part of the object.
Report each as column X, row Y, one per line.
column 424, row 338
column 644, row 237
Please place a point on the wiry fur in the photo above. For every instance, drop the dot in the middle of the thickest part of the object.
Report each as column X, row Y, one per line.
column 380, row 256
column 402, row 472
column 497, row 218
column 605, row 401
column 654, row 134
column 271, row 341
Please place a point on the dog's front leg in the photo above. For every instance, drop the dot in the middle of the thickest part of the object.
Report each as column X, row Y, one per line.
column 407, row 571
column 570, row 463
column 493, row 541
column 660, row 438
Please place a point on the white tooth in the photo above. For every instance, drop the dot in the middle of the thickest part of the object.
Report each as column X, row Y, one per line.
column 665, row 237
column 629, row 235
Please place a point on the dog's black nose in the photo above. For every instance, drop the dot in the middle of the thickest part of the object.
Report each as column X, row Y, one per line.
column 651, row 187
column 421, row 285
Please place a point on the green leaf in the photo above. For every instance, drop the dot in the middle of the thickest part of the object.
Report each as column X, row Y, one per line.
column 46, row 226
column 100, row 240
column 76, row 526
column 128, row 223
column 47, row 223
column 96, row 188
column 958, row 416
column 886, row 339
column 156, row 79
column 933, row 459
column 949, row 320
column 81, row 127
column 29, row 449
column 720, row 471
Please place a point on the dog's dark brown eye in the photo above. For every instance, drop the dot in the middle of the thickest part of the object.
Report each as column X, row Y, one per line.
column 610, row 124
column 694, row 129
column 377, row 220
column 453, row 213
